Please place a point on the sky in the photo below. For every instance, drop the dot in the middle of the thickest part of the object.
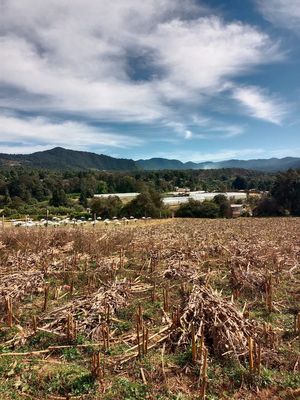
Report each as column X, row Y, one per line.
column 192, row 80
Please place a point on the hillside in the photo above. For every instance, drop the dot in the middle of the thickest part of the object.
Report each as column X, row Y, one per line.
column 270, row 165
column 59, row 158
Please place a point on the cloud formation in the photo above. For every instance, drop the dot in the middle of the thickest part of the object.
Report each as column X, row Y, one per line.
column 153, row 62
column 25, row 131
column 260, row 104
column 282, row 13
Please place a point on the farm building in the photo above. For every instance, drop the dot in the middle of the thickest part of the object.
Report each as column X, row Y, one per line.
column 236, row 210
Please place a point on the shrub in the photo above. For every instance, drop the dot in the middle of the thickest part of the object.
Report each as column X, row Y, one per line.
column 268, row 207
column 146, row 204
column 196, row 209
column 106, row 207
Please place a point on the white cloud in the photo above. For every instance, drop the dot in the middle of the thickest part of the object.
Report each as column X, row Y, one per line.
column 260, row 104
column 203, row 54
column 78, row 57
column 283, row 13
column 16, row 133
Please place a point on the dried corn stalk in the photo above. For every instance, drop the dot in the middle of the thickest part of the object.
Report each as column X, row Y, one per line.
column 225, row 329
column 89, row 312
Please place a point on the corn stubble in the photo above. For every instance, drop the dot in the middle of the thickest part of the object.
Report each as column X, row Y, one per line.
column 139, row 298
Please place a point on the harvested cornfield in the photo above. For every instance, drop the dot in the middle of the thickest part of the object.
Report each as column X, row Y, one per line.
column 171, row 309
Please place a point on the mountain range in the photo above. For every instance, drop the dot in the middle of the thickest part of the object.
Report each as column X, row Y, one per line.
column 271, row 164
column 60, row 158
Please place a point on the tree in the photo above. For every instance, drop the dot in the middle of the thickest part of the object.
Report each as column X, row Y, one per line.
column 106, row 207
column 83, row 198
column 102, row 187
column 146, row 204
column 7, row 198
column 286, row 191
column 239, row 183
column 224, row 205
column 209, row 209
column 197, row 209
column 59, row 198
column 268, row 207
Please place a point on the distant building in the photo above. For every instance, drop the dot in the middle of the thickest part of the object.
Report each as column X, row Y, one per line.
column 236, row 210
column 120, row 195
column 182, row 191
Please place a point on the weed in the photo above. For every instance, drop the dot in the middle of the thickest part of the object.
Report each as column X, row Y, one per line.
column 123, row 389
column 71, row 354
column 63, row 380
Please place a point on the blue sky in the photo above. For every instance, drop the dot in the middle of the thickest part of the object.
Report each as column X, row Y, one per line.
column 186, row 79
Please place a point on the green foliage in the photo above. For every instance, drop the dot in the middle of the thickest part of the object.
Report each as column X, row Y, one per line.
column 284, row 198
column 147, row 204
column 183, row 357
column 63, row 380
column 59, row 198
column 25, row 190
column 106, row 207
column 224, row 205
column 239, row 183
column 123, row 326
column 286, row 191
column 71, row 354
column 268, row 207
column 123, row 389
column 42, row 340
column 83, row 198
column 197, row 209
column 290, row 380
column 102, row 187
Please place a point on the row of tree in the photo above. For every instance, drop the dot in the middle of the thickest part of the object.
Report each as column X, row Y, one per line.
column 219, row 207
column 26, row 185
column 31, row 191
column 146, row 204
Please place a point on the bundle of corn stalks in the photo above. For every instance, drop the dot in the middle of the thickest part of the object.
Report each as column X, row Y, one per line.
column 89, row 312
column 225, row 329
column 26, row 260
column 181, row 269
column 19, row 285
column 245, row 279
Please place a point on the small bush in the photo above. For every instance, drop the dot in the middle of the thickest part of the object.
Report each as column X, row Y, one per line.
column 197, row 209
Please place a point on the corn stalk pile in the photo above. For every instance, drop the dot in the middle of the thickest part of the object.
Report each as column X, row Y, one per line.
column 225, row 329
column 247, row 279
column 179, row 270
column 21, row 284
column 89, row 312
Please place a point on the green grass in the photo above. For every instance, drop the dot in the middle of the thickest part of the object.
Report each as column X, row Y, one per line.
column 62, row 379
column 124, row 389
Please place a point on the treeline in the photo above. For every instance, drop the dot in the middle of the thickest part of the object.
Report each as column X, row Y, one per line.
column 30, row 191
column 219, row 207
column 27, row 184
column 284, row 197
column 146, row 204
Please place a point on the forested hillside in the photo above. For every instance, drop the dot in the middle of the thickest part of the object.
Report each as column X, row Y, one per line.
column 59, row 158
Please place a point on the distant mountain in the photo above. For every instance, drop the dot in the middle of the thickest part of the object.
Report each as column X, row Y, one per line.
column 160, row 163
column 59, row 158
column 271, row 165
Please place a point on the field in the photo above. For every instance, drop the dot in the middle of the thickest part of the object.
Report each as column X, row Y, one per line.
column 174, row 309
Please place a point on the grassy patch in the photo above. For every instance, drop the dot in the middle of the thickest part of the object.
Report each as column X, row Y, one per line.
column 124, row 389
